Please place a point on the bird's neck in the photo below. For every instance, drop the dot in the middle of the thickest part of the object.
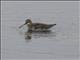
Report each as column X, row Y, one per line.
column 29, row 26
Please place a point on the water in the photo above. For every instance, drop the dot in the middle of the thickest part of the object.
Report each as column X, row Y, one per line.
column 60, row 43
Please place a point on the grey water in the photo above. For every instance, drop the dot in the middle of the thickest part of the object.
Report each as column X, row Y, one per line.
column 60, row 43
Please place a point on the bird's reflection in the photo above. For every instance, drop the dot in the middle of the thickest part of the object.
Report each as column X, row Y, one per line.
column 38, row 34
column 28, row 34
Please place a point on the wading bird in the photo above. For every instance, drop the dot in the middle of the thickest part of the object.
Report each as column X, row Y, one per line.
column 37, row 26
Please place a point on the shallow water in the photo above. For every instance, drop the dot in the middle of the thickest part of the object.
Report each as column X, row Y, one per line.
column 60, row 43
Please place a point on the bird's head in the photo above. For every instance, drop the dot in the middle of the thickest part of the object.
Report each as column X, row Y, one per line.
column 28, row 21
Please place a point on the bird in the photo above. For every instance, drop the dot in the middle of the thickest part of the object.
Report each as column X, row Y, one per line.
column 36, row 26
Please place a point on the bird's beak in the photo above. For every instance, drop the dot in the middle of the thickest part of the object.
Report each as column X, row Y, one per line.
column 21, row 25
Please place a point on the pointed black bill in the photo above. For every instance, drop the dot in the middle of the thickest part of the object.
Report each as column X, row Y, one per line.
column 21, row 26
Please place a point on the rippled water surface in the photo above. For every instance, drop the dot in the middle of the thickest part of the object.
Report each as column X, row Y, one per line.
column 60, row 43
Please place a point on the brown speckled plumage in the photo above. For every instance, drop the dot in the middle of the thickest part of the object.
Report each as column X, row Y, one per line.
column 37, row 26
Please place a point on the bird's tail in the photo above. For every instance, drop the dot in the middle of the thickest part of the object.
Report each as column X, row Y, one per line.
column 51, row 25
